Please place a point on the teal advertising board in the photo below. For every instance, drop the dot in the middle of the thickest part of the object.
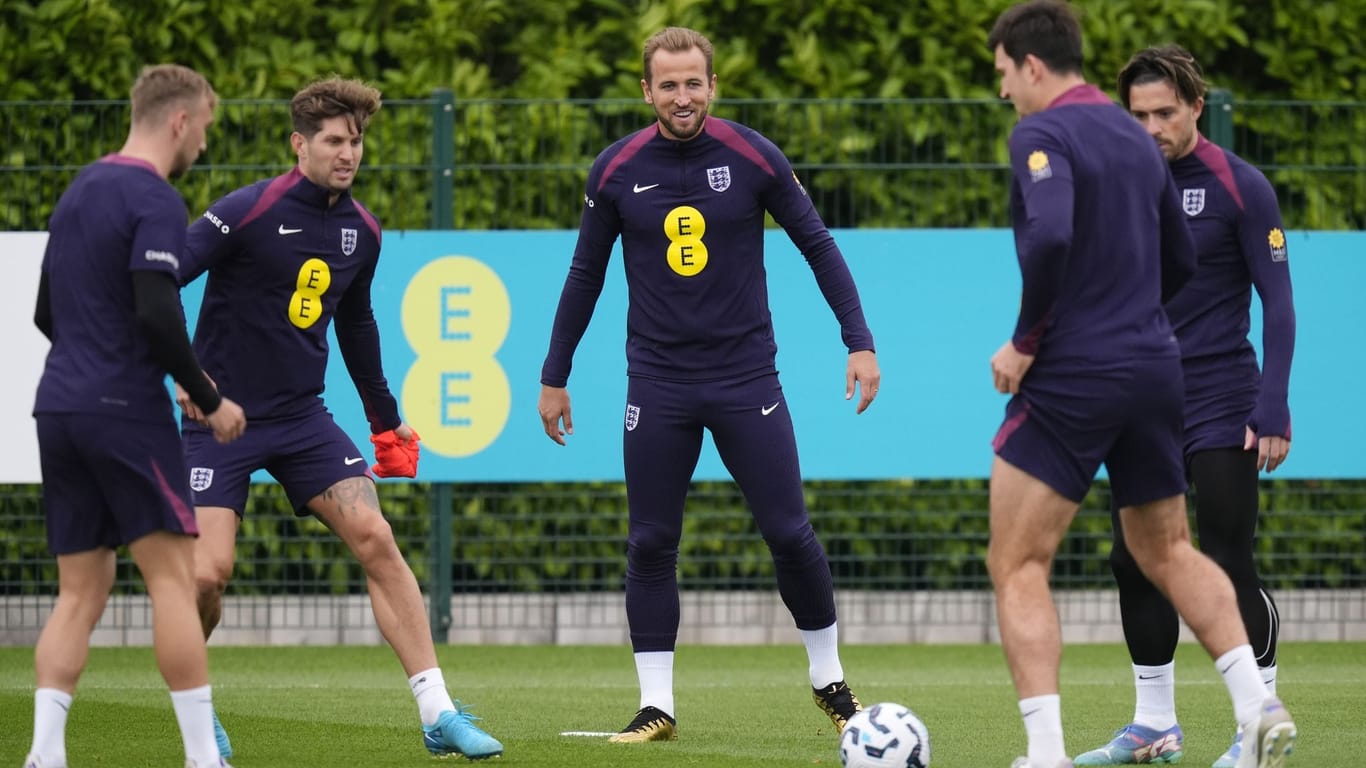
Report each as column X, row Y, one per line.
column 465, row 318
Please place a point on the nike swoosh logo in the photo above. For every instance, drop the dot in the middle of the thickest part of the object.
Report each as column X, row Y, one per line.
column 284, row 231
column 349, row 462
column 638, row 189
column 1148, row 677
column 766, row 410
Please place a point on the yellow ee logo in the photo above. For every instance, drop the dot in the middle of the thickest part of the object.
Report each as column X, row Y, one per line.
column 456, row 315
column 306, row 303
column 685, row 226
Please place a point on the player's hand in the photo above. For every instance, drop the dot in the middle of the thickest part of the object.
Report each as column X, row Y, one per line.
column 192, row 412
column 1008, row 368
column 1271, row 451
column 862, row 370
column 396, row 452
column 228, row 422
column 554, row 409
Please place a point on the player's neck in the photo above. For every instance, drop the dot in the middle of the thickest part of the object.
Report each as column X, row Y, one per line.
column 151, row 150
column 1056, row 85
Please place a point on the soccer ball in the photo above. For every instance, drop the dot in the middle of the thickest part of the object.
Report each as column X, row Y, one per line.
column 885, row 735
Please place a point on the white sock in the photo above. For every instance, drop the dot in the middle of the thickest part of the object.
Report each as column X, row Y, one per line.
column 1155, row 700
column 1269, row 678
column 1244, row 681
column 50, row 708
column 1043, row 726
column 194, row 712
column 656, row 672
column 823, row 656
column 429, row 688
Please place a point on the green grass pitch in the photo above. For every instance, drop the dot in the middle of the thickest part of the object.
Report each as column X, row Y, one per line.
column 746, row 706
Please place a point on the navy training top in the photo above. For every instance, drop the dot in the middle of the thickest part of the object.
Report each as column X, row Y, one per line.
column 1233, row 215
column 690, row 215
column 119, row 215
column 1099, row 233
column 282, row 264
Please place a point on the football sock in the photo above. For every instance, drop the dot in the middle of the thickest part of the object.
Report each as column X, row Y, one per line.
column 1155, row 696
column 50, row 708
column 1244, row 682
column 429, row 688
column 1043, row 726
column 656, row 672
column 823, row 656
column 1269, row 678
column 194, row 713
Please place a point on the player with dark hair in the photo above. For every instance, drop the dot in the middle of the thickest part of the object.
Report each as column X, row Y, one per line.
column 687, row 196
column 285, row 257
column 1237, row 417
column 113, row 471
column 1095, row 374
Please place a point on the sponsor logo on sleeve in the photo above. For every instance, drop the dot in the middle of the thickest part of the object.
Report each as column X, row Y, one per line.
column 1039, row 169
column 1276, row 239
column 217, row 222
column 163, row 257
column 1193, row 201
column 798, row 182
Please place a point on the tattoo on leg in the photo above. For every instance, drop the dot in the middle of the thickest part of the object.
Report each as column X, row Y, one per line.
column 351, row 494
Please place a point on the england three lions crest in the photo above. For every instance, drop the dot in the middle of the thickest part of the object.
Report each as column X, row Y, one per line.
column 719, row 178
column 1193, row 201
column 201, row 478
column 348, row 241
column 632, row 417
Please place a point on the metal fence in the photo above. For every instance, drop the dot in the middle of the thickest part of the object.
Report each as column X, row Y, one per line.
column 438, row 163
column 545, row 563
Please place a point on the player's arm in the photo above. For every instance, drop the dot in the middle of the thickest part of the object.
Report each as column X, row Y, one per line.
column 210, row 238
column 42, row 308
column 1261, row 235
column 1044, row 242
column 785, row 198
column 599, row 227
column 1178, row 246
column 358, row 340
column 156, row 303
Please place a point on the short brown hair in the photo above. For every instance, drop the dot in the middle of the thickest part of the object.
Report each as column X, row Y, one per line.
column 160, row 87
column 1167, row 63
column 677, row 40
column 1046, row 28
column 333, row 97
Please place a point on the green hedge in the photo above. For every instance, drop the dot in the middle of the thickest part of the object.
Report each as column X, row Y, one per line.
column 590, row 49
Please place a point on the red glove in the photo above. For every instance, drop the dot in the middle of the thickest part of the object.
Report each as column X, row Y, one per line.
column 394, row 456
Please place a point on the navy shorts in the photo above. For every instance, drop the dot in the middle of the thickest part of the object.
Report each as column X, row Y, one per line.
column 111, row 481
column 306, row 455
column 1061, row 428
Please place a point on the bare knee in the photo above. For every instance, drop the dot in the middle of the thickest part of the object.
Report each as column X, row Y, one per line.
column 372, row 542
column 211, row 578
column 1005, row 564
